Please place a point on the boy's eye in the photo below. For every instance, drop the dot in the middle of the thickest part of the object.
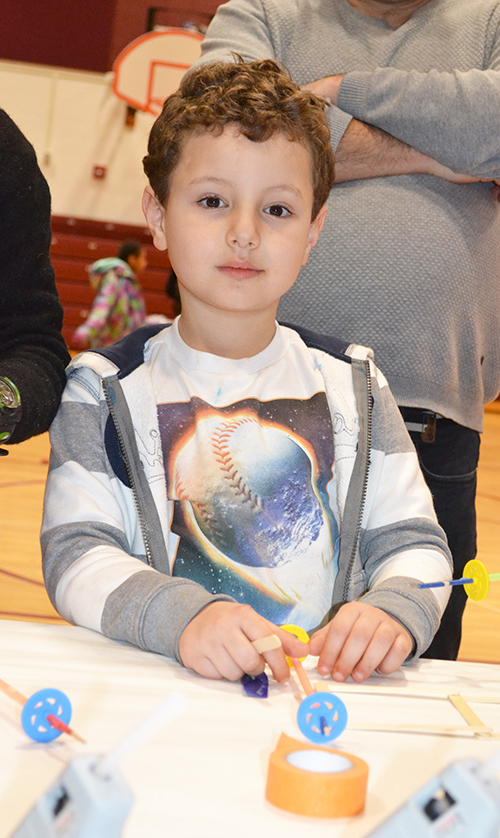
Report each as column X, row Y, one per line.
column 277, row 210
column 212, row 202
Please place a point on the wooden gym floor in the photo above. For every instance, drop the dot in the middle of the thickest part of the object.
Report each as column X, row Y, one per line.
column 23, row 597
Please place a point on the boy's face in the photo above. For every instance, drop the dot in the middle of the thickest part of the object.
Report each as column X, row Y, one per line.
column 237, row 223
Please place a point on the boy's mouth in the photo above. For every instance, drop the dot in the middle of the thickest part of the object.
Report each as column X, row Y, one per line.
column 239, row 269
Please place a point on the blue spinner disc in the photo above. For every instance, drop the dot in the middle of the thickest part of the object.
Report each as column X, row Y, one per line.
column 40, row 705
column 322, row 717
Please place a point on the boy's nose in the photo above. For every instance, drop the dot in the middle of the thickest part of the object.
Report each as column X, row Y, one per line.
column 243, row 231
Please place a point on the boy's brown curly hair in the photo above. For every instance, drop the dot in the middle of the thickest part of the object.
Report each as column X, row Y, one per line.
column 261, row 99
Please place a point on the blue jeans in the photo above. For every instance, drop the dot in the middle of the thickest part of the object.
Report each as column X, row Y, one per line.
column 449, row 464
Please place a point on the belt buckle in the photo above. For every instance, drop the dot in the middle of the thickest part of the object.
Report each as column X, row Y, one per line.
column 428, row 433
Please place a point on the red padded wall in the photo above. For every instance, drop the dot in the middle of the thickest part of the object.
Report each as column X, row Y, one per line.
column 84, row 34
column 63, row 33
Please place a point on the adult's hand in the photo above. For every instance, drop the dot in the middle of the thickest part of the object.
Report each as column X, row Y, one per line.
column 327, row 87
column 495, row 189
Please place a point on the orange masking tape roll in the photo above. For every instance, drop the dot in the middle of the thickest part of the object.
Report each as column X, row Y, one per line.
column 315, row 781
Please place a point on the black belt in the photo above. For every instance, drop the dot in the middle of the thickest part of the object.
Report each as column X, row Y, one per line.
column 421, row 421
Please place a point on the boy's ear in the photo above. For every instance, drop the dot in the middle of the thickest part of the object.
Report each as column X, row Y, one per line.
column 154, row 213
column 314, row 231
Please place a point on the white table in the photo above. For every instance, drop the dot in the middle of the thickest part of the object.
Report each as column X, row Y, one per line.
column 204, row 774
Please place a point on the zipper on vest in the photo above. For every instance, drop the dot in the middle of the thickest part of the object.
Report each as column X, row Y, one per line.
column 128, row 469
column 369, row 410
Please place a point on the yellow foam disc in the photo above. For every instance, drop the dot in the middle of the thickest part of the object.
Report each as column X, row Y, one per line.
column 300, row 634
column 478, row 589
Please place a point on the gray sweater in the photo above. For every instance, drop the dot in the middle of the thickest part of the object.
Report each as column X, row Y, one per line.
column 410, row 264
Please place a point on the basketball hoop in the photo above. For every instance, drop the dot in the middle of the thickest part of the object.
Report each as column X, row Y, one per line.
column 151, row 67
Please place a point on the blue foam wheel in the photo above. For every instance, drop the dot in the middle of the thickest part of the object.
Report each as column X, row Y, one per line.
column 322, row 717
column 40, row 705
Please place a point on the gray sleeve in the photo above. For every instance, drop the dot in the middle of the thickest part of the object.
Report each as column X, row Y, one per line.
column 88, row 507
column 247, row 27
column 451, row 116
column 415, row 609
column 258, row 29
column 151, row 611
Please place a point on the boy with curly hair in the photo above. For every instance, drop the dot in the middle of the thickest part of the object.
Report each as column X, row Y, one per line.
column 216, row 479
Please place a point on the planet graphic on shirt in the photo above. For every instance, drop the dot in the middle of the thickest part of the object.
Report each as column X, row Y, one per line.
column 251, row 491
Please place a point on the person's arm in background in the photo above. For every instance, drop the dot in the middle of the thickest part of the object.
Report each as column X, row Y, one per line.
column 361, row 150
column 33, row 354
column 449, row 116
column 368, row 152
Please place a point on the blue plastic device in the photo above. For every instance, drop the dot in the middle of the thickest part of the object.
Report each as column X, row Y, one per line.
column 80, row 803
column 463, row 801
column 90, row 799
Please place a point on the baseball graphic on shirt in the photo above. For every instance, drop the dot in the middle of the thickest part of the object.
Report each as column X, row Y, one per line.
column 250, row 487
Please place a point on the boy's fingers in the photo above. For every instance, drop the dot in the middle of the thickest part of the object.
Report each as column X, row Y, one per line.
column 397, row 655
column 317, row 641
column 292, row 646
column 278, row 665
column 219, row 666
column 369, row 645
column 374, row 653
column 386, row 653
column 267, row 644
column 356, row 658
column 236, row 658
column 336, row 636
column 350, row 637
column 273, row 648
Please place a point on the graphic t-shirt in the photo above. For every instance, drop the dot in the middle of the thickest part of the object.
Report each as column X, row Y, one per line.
column 248, row 453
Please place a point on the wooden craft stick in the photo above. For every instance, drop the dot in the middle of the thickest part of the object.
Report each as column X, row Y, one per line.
column 468, row 714
column 432, row 729
column 266, row 644
column 301, row 674
column 476, row 726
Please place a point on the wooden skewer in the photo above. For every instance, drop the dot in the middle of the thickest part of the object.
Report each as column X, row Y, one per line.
column 63, row 727
column 464, row 580
column 12, row 693
column 301, row 674
column 468, row 714
column 366, row 689
column 53, row 721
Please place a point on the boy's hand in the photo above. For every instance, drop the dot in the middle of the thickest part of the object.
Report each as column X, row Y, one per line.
column 217, row 643
column 360, row 639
